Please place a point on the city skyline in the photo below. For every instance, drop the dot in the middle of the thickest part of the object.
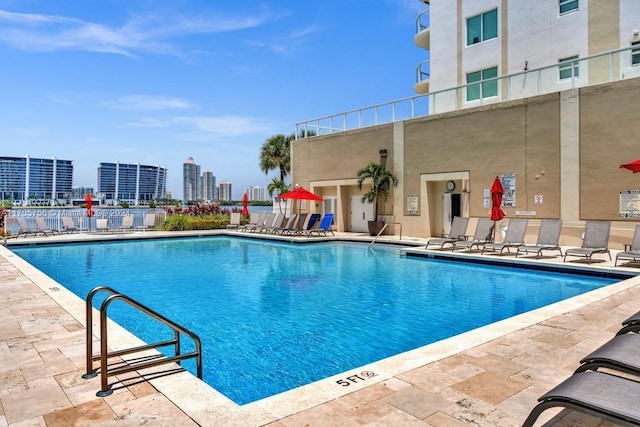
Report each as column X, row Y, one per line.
column 154, row 82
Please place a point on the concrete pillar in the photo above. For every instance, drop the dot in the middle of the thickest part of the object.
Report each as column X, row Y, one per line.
column 570, row 155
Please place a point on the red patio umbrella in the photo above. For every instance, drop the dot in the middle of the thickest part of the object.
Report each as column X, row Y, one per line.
column 245, row 202
column 496, row 201
column 89, row 202
column 633, row 166
column 300, row 193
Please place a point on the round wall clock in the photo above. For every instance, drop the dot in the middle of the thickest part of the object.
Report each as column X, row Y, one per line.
column 451, row 186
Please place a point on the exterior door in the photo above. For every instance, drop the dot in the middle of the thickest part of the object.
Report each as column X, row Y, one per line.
column 447, row 216
column 361, row 213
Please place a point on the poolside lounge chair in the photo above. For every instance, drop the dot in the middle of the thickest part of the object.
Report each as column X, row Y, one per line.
column 277, row 222
column 288, row 226
column 266, row 220
column 254, row 219
column 602, row 395
column 127, row 222
column 299, row 226
column 234, row 221
column 149, row 222
column 43, row 227
column 620, row 353
column 548, row 238
column 23, row 227
column 596, row 240
column 630, row 324
column 513, row 238
column 323, row 227
column 458, row 232
column 482, row 235
column 633, row 252
column 69, row 225
column 102, row 225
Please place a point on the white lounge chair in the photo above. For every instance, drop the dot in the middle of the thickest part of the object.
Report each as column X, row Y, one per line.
column 596, row 241
column 102, row 225
column 548, row 238
column 234, row 221
column 632, row 252
column 458, row 232
column 127, row 222
column 513, row 238
column 69, row 225
column 482, row 235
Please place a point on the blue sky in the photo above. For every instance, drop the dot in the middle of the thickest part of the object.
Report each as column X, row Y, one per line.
column 155, row 82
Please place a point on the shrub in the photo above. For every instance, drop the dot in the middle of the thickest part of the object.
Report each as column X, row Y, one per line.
column 182, row 222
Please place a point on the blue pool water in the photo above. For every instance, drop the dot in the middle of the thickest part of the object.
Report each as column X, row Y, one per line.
column 275, row 316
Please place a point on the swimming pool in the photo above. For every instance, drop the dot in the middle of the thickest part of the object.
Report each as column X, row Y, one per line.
column 274, row 316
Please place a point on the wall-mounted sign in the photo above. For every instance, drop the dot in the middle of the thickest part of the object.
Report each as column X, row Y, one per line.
column 412, row 204
column 509, row 186
column 629, row 204
column 537, row 199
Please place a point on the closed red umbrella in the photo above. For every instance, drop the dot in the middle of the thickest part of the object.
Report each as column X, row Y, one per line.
column 245, row 203
column 89, row 202
column 633, row 166
column 496, row 200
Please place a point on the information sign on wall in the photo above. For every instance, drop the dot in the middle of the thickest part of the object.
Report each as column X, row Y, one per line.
column 412, row 204
column 509, row 186
column 629, row 204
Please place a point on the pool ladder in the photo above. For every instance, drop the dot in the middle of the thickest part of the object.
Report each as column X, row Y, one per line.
column 136, row 363
column 382, row 231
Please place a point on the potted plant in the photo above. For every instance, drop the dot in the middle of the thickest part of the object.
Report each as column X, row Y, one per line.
column 382, row 181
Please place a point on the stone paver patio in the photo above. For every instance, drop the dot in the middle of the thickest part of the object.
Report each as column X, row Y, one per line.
column 491, row 380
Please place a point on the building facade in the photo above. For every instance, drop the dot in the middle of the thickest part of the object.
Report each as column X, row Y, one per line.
column 256, row 193
column 208, row 186
column 554, row 133
column 224, row 191
column 473, row 43
column 28, row 181
column 191, row 180
column 131, row 183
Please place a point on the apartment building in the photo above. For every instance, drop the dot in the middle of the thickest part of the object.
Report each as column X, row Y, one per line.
column 132, row 183
column 30, row 181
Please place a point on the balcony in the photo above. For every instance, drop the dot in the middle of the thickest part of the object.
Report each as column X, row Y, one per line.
column 423, row 72
column 423, row 32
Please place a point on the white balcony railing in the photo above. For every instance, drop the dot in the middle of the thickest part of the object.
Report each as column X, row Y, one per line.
column 596, row 69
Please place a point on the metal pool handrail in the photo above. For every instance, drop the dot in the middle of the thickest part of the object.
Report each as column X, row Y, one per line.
column 147, row 362
column 382, row 231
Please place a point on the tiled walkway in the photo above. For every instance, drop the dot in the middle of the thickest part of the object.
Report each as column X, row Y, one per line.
column 492, row 384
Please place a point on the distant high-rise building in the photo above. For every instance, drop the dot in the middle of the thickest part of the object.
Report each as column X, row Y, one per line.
column 131, row 183
column 208, row 186
column 33, row 181
column 190, row 180
column 256, row 193
column 79, row 192
column 224, row 191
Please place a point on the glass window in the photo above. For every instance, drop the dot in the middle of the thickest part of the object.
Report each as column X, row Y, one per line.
column 484, row 89
column 567, row 5
column 482, row 27
column 569, row 67
column 635, row 54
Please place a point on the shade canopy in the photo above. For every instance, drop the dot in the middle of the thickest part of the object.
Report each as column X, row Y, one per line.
column 633, row 166
column 300, row 193
column 496, row 200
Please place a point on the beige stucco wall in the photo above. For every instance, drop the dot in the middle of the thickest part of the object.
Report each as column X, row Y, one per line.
column 564, row 146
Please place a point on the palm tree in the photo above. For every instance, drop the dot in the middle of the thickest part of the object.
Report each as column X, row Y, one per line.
column 277, row 186
column 382, row 181
column 275, row 154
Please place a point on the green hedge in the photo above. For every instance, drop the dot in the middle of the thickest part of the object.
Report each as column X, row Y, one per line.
column 186, row 222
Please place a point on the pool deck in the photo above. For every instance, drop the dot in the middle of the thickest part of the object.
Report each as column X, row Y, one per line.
column 491, row 376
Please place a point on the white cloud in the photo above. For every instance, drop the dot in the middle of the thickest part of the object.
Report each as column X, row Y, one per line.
column 148, row 102
column 142, row 33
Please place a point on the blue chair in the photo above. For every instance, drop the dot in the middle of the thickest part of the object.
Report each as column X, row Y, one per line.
column 323, row 227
